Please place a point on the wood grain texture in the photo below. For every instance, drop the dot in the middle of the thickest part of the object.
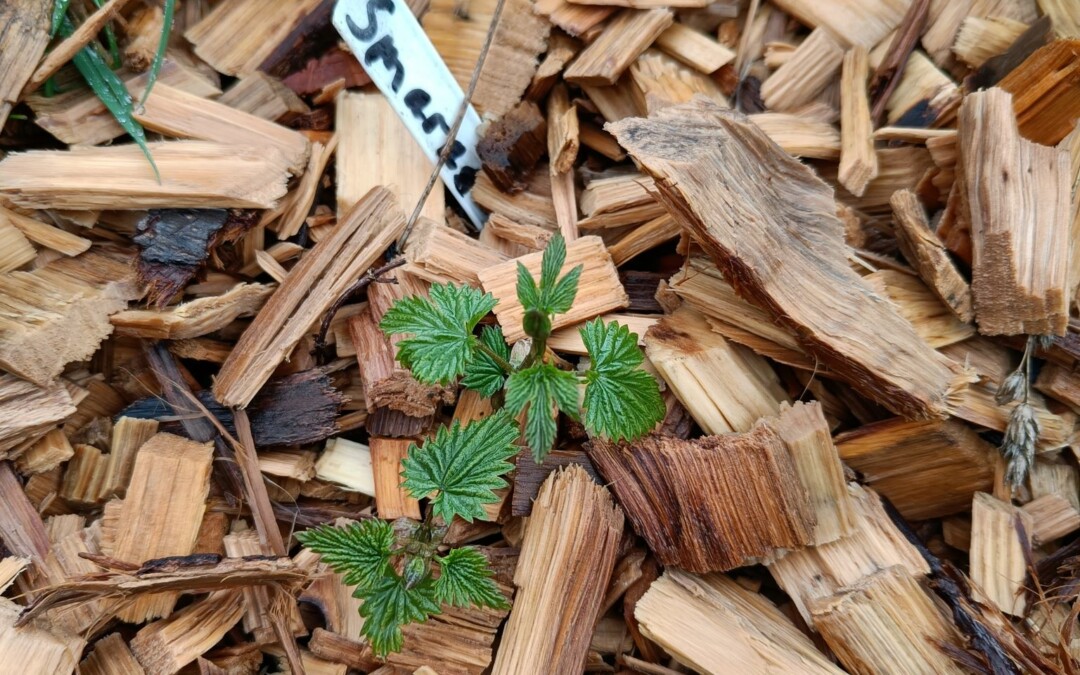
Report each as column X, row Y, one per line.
column 713, row 625
column 576, row 526
column 716, row 172
column 1018, row 202
column 197, row 174
column 623, row 39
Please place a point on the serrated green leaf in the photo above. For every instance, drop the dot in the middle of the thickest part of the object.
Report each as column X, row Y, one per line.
column 465, row 580
column 552, row 261
column 442, row 343
column 360, row 551
column 527, row 292
column 560, row 297
column 482, row 373
column 389, row 605
column 554, row 295
column 621, row 400
column 543, row 388
column 464, row 464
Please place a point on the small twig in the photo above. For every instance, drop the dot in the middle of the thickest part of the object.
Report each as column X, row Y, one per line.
column 452, row 134
column 891, row 68
column 356, row 287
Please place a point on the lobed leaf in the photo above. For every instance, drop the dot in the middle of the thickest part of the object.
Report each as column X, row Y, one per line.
column 389, row 605
column 621, row 400
column 465, row 580
column 442, row 344
column 544, row 389
column 361, row 551
column 464, row 464
column 482, row 373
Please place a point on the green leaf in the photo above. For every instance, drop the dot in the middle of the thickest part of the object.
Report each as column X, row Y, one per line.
column 110, row 89
column 442, row 343
column 621, row 400
column 59, row 9
column 465, row 580
column 389, row 605
column 559, row 298
column 483, row 374
column 554, row 295
column 527, row 292
column 464, row 464
column 163, row 44
column 542, row 388
column 361, row 551
column 552, row 261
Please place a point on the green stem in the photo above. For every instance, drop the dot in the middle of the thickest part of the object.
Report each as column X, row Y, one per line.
column 500, row 361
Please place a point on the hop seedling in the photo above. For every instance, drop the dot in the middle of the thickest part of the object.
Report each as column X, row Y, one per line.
column 396, row 569
column 621, row 400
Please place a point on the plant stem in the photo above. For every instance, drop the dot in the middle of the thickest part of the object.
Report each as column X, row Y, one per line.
column 500, row 361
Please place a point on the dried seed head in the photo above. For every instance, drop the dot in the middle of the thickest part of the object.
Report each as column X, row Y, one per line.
column 1018, row 447
column 1014, row 388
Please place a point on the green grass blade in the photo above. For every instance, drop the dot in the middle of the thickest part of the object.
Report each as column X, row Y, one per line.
column 110, row 39
column 110, row 89
column 59, row 9
column 159, row 57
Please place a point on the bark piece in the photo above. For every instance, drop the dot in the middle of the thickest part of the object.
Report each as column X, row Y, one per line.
column 926, row 469
column 714, row 625
column 599, row 289
column 179, row 114
column 42, row 234
column 530, row 476
column 238, row 35
column 153, row 527
column 392, row 500
column 713, row 171
column 36, row 649
column 574, row 525
column 1018, row 197
column 195, row 318
column 175, row 243
column 53, row 318
column 438, row 253
column 195, row 174
column 874, row 544
column 164, row 647
column 312, row 286
column 22, row 44
column 1046, row 95
column 999, row 553
column 520, row 38
column 814, row 64
column 928, row 256
column 264, row 96
column 1052, row 517
column 28, row 411
column 725, row 387
column 695, row 49
column 858, row 160
column 376, row 149
column 513, row 145
column 887, row 618
column 293, row 410
column 623, row 39
column 111, row 656
column 731, row 500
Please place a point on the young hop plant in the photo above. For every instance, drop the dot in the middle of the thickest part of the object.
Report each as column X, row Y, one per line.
column 396, row 568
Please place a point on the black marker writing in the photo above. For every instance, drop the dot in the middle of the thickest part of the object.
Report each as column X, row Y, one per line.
column 373, row 6
column 385, row 51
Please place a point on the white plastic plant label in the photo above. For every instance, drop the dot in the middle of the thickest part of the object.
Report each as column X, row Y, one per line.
column 401, row 61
